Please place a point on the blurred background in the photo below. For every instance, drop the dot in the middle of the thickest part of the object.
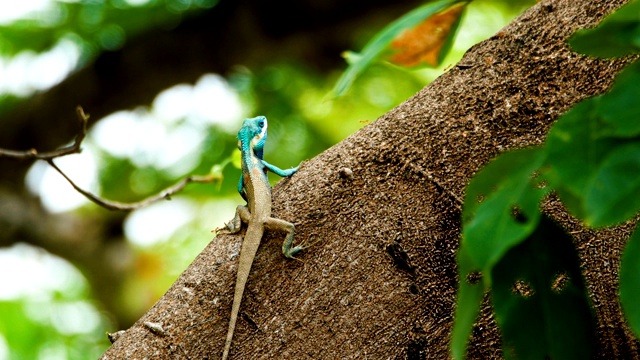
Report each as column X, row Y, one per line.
column 167, row 84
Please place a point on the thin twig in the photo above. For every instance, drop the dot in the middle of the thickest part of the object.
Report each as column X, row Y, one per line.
column 162, row 195
column 71, row 149
column 107, row 204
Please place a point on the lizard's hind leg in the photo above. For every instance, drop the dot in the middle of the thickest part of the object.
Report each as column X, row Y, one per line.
column 289, row 228
column 242, row 216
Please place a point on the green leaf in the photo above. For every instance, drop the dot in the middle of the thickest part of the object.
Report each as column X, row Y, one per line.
column 501, row 206
column 575, row 147
column 583, row 139
column 630, row 282
column 620, row 107
column 500, row 210
column 382, row 39
column 613, row 195
column 469, row 299
column 540, row 298
column 617, row 35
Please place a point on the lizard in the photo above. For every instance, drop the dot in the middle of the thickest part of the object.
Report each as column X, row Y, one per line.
column 255, row 189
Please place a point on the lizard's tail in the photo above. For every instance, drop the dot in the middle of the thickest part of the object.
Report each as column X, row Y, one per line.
column 232, row 325
column 250, row 246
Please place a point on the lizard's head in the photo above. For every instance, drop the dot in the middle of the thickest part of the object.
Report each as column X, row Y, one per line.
column 253, row 133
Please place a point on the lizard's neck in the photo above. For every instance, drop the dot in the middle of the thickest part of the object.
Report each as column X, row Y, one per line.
column 256, row 184
column 250, row 158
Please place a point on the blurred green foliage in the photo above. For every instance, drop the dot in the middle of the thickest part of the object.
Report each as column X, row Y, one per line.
column 94, row 24
column 35, row 329
column 57, row 320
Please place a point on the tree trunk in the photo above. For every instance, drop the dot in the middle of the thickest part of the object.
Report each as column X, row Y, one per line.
column 382, row 209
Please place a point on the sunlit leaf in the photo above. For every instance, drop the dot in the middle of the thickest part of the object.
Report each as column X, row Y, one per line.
column 381, row 41
column 617, row 35
column 428, row 42
column 630, row 282
column 540, row 298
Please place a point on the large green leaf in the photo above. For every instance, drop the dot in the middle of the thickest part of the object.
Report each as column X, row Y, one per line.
column 381, row 41
column 630, row 282
column 540, row 299
column 617, row 35
column 620, row 108
column 576, row 146
column 501, row 206
column 613, row 194
column 595, row 184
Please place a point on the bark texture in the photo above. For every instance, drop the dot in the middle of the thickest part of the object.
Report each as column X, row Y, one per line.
column 382, row 208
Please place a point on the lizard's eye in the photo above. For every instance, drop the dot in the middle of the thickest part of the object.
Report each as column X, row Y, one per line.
column 261, row 124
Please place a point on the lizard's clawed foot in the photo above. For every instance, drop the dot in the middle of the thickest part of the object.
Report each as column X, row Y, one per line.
column 233, row 226
column 291, row 252
column 228, row 228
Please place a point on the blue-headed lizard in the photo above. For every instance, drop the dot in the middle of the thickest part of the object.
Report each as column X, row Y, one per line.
column 255, row 189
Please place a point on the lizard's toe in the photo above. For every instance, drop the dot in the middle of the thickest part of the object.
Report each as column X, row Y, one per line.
column 231, row 228
column 290, row 254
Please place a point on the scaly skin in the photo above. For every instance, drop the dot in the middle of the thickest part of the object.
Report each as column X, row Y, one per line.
column 255, row 189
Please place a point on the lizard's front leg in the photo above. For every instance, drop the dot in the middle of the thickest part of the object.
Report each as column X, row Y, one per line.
column 274, row 224
column 242, row 216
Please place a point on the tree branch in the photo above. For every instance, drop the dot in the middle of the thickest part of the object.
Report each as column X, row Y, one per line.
column 71, row 149
column 105, row 203
column 164, row 194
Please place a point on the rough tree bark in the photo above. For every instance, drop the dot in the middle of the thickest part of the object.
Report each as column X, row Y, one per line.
column 380, row 281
